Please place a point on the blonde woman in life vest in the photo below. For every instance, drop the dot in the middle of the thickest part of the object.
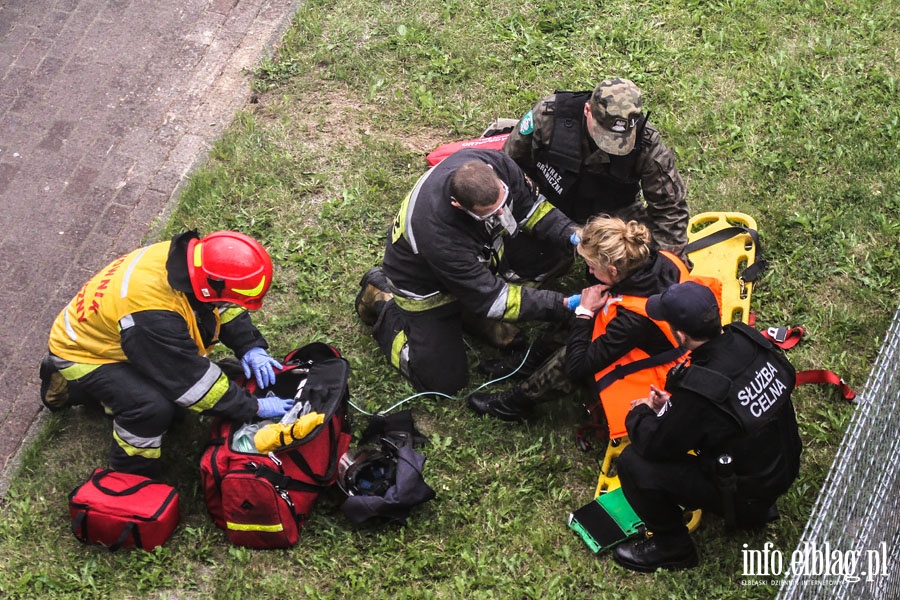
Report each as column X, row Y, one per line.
column 609, row 327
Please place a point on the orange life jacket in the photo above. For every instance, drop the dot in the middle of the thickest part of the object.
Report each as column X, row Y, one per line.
column 629, row 377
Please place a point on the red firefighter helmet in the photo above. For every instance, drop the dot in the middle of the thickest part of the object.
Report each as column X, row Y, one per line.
column 227, row 266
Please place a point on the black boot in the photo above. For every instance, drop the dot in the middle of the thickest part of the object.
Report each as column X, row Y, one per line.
column 508, row 405
column 674, row 551
column 54, row 387
column 755, row 514
column 374, row 291
column 526, row 365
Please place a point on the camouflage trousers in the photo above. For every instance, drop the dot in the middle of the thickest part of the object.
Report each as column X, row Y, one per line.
column 549, row 381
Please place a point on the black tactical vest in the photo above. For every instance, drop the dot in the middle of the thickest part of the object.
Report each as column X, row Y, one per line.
column 559, row 170
column 756, row 393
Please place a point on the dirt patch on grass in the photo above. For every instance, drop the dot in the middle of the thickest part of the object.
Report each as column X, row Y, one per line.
column 334, row 121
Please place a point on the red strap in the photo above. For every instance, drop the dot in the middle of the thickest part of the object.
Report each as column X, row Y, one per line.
column 824, row 376
column 787, row 337
column 784, row 337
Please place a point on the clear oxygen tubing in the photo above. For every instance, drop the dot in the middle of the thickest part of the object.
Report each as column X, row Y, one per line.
column 414, row 396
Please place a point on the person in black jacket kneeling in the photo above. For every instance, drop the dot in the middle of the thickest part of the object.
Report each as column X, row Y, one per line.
column 730, row 403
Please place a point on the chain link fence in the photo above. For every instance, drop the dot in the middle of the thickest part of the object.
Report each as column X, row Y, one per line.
column 851, row 545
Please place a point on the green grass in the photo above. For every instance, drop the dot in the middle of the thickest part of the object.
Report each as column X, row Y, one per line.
column 785, row 110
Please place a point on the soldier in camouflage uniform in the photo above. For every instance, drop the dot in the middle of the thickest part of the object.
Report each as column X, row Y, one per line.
column 595, row 153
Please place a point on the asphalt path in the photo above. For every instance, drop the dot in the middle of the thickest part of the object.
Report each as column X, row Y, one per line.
column 106, row 106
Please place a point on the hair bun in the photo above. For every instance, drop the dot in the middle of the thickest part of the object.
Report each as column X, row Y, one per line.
column 636, row 231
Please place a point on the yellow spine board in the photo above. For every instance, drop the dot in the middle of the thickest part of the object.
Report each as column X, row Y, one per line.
column 725, row 260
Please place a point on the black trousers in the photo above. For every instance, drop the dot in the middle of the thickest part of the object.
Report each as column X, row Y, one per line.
column 141, row 415
column 426, row 346
column 660, row 492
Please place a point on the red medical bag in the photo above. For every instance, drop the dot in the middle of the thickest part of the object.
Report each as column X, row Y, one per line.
column 122, row 510
column 263, row 500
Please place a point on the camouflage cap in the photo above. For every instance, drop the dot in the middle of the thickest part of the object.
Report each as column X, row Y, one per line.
column 616, row 110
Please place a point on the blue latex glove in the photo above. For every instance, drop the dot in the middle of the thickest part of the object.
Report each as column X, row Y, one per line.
column 262, row 366
column 573, row 301
column 273, row 407
column 574, row 239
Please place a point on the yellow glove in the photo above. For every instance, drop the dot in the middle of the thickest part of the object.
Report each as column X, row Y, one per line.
column 276, row 435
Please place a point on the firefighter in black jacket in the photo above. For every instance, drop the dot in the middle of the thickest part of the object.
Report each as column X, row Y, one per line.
column 442, row 257
column 134, row 340
column 730, row 404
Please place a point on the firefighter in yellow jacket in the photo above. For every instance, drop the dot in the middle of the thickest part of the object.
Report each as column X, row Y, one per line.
column 135, row 340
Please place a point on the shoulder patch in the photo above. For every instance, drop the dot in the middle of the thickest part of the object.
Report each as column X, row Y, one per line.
column 526, row 125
